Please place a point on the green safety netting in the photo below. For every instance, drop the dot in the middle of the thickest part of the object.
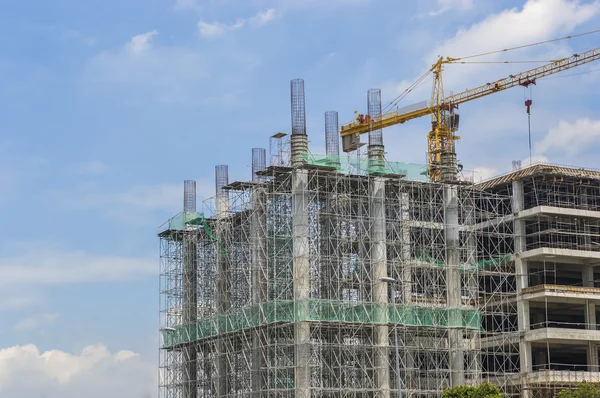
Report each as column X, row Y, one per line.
column 344, row 164
column 481, row 264
column 181, row 220
column 323, row 311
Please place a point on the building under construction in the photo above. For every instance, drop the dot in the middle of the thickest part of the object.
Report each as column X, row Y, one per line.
column 331, row 276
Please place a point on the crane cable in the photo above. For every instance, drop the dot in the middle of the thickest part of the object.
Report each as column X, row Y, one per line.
column 399, row 98
column 529, row 45
column 528, row 103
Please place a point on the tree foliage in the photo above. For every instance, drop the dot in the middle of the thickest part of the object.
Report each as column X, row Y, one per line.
column 485, row 390
column 584, row 390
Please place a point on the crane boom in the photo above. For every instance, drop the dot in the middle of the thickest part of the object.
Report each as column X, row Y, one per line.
column 521, row 79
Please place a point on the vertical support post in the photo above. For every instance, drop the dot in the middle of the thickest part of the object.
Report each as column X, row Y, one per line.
column 380, row 297
column 522, row 271
column 259, row 284
column 301, row 282
column 222, row 299
column 453, row 288
column 190, row 294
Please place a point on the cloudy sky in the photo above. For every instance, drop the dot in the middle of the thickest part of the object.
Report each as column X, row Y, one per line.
column 108, row 105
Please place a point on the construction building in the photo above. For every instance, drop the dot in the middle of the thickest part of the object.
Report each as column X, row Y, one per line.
column 331, row 276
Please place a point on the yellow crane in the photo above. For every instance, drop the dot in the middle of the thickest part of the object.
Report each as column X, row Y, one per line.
column 441, row 155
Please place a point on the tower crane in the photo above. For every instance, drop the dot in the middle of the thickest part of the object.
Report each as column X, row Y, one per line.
column 441, row 155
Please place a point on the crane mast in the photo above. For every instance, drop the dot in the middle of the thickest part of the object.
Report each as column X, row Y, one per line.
column 441, row 155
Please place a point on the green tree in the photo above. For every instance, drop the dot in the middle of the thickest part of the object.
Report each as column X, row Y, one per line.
column 485, row 390
column 584, row 390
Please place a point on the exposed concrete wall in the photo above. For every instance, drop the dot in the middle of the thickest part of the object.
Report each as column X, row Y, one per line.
column 301, row 276
column 453, row 288
column 380, row 289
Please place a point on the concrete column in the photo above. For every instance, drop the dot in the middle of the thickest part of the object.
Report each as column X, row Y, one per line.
column 301, row 275
column 587, row 275
column 406, row 249
column 522, row 271
column 380, row 296
column 592, row 357
column 222, row 299
column 453, row 288
column 299, row 145
column 259, row 285
column 190, row 312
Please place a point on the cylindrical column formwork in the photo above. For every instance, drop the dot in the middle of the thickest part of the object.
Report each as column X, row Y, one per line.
column 189, row 196
column 375, row 150
column 332, row 137
column 190, row 293
column 259, row 163
column 298, row 107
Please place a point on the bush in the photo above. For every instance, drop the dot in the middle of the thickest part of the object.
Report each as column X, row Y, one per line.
column 585, row 390
column 485, row 390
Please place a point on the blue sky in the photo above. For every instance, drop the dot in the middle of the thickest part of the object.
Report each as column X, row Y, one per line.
column 107, row 106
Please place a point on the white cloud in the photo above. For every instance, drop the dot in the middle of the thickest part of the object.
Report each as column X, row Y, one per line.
column 535, row 21
column 35, row 267
column 218, row 29
column 93, row 373
column 142, row 71
column 263, row 17
column 447, row 5
column 35, row 321
column 141, row 43
column 570, row 138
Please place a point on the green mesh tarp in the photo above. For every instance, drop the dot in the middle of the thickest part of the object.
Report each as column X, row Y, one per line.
column 322, row 311
column 346, row 165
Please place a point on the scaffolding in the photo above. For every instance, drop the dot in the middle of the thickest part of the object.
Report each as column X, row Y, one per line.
column 288, row 298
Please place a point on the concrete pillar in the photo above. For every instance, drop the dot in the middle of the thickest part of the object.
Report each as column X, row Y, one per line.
column 453, row 288
column 587, row 275
column 259, row 285
column 299, row 144
column 189, row 312
column 301, row 276
column 592, row 357
column 380, row 297
column 222, row 299
column 522, row 271
column 406, row 249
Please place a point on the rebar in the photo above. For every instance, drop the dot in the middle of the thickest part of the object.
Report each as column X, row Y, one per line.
column 332, row 135
column 374, row 112
column 259, row 160
column 298, row 107
column 189, row 196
